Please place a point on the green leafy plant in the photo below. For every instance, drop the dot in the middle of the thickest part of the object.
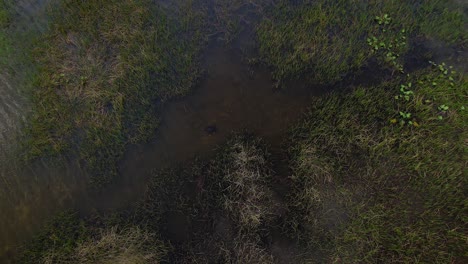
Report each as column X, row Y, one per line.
column 383, row 20
column 446, row 72
column 405, row 118
column 390, row 43
column 405, row 92
column 442, row 108
column 436, row 88
column 432, row 92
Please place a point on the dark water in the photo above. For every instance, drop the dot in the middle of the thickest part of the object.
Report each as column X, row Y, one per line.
column 231, row 97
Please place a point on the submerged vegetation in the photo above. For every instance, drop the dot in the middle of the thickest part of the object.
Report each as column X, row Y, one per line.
column 372, row 173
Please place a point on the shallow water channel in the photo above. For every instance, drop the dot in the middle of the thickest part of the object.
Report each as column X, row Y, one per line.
column 231, row 96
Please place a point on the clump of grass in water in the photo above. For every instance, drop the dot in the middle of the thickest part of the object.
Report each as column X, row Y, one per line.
column 247, row 195
column 323, row 40
column 114, row 245
column 246, row 251
column 230, row 190
column 60, row 236
column 4, row 43
column 67, row 239
column 103, row 68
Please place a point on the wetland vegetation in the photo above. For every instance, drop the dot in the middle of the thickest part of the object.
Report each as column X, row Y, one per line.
column 374, row 171
column 105, row 69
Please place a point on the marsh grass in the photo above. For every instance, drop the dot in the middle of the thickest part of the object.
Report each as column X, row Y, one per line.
column 248, row 195
column 69, row 239
column 104, row 68
column 114, row 245
column 443, row 20
column 5, row 34
column 226, row 201
column 59, row 238
column 369, row 190
column 18, row 31
column 246, row 251
column 323, row 41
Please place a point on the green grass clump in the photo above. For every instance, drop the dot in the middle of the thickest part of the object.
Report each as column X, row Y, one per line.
column 5, row 46
column 114, row 245
column 67, row 239
column 104, row 67
column 246, row 251
column 58, row 238
column 247, row 198
column 371, row 189
column 322, row 41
